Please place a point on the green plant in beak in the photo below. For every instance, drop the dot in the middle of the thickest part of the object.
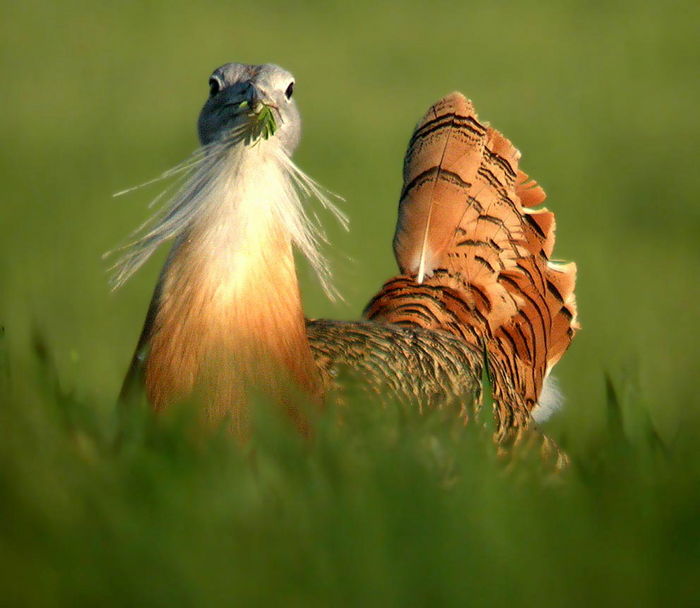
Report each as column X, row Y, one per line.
column 264, row 124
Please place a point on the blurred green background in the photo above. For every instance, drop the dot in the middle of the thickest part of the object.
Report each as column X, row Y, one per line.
column 602, row 99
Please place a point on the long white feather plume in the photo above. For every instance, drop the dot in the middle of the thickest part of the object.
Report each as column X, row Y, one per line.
column 205, row 178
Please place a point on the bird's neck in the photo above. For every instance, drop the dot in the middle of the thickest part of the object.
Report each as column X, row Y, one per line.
column 228, row 315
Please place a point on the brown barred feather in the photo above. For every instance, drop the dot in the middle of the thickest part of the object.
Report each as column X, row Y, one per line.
column 475, row 253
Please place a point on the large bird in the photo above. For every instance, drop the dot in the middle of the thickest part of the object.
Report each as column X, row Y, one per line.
column 477, row 281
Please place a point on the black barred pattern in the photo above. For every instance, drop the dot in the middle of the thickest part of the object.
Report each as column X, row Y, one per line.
column 504, row 164
column 434, row 173
column 422, row 368
column 467, row 123
column 440, row 309
column 411, row 364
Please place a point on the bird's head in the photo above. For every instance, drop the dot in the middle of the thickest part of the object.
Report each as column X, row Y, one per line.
column 250, row 107
column 255, row 101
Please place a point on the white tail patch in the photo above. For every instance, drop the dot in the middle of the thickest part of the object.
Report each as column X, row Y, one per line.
column 551, row 400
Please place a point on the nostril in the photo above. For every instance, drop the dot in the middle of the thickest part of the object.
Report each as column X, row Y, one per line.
column 254, row 96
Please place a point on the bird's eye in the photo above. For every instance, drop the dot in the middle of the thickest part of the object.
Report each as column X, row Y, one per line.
column 289, row 91
column 214, row 86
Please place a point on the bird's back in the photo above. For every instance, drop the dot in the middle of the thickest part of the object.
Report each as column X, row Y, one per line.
column 477, row 281
column 409, row 364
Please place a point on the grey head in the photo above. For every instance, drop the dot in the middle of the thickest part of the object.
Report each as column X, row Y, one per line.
column 239, row 93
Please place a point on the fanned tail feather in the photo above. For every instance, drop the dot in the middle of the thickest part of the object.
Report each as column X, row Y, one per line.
column 475, row 252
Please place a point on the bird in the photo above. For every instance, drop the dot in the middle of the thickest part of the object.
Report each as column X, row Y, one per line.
column 477, row 289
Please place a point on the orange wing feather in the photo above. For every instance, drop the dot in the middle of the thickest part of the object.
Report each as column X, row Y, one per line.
column 475, row 253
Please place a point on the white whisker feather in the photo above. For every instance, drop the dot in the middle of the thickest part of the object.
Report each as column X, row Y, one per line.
column 209, row 173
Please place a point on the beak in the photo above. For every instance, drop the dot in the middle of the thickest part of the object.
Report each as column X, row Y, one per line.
column 250, row 101
column 253, row 99
column 259, row 107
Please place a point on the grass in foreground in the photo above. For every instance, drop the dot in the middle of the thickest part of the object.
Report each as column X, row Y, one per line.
column 388, row 509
